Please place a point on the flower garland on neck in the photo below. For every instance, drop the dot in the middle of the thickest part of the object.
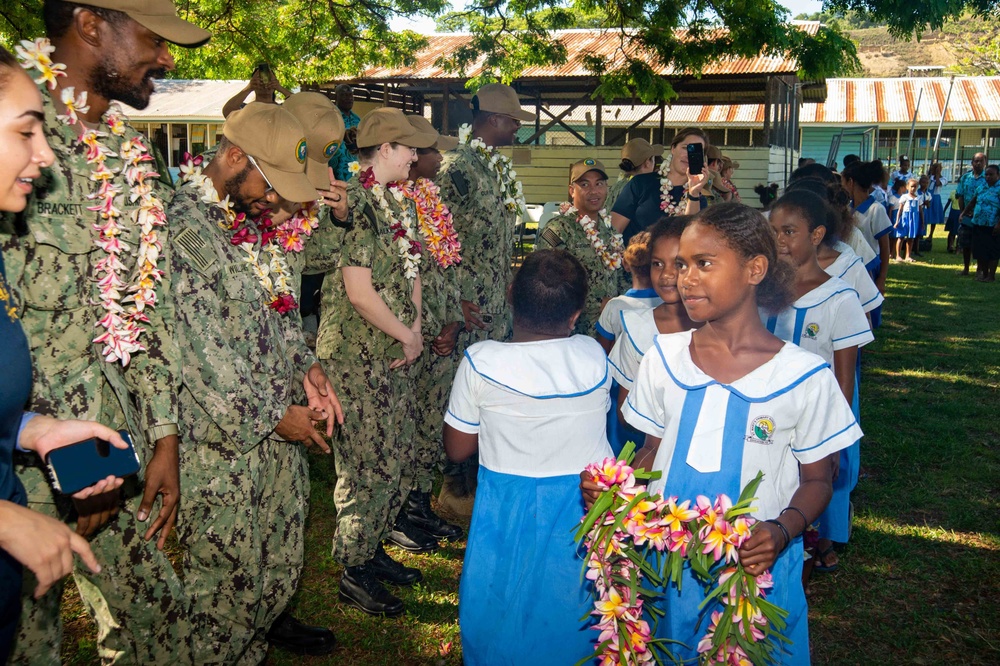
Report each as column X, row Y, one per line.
column 611, row 256
column 435, row 220
column 510, row 187
column 403, row 233
column 271, row 269
column 124, row 314
column 291, row 233
column 667, row 204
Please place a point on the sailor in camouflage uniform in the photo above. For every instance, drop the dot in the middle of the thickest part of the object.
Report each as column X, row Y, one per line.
column 486, row 210
column 442, row 321
column 246, row 376
column 52, row 261
column 599, row 249
column 369, row 336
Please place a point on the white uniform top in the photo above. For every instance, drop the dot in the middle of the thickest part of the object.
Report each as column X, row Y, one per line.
column 540, row 408
column 827, row 319
column 857, row 242
column 639, row 329
column 849, row 268
column 609, row 326
column 873, row 223
column 797, row 414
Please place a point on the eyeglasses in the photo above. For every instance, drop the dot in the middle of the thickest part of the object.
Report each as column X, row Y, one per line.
column 270, row 188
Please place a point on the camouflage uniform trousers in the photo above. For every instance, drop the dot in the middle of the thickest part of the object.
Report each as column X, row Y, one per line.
column 373, row 452
column 137, row 600
column 433, row 377
column 242, row 523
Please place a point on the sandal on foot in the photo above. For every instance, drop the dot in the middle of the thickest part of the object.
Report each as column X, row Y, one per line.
column 821, row 566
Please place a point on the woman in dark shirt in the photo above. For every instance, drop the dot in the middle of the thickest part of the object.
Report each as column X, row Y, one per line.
column 28, row 538
column 641, row 203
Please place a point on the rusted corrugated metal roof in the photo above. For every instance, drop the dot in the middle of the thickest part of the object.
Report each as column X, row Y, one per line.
column 579, row 44
column 974, row 100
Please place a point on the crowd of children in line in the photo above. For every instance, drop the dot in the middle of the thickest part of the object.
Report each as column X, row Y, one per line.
column 736, row 350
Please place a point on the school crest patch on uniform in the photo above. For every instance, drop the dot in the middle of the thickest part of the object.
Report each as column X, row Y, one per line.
column 811, row 331
column 761, row 430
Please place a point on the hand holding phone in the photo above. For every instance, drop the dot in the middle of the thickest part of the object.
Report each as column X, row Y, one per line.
column 696, row 158
column 85, row 463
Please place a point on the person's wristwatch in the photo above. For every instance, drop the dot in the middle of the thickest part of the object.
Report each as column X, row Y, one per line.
column 691, row 198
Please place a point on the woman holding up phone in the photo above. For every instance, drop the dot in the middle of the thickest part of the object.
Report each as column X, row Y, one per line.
column 675, row 189
column 27, row 538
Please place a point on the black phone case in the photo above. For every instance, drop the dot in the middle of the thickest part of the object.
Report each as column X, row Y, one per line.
column 72, row 468
column 696, row 158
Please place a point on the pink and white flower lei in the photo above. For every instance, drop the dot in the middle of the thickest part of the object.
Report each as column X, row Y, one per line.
column 124, row 304
column 291, row 233
column 266, row 261
column 611, row 256
column 402, row 227
column 436, row 226
column 667, row 204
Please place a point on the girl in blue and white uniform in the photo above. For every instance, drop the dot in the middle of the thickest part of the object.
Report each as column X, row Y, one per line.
column 860, row 180
column 909, row 220
column 729, row 399
column 827, row 319
column 934, row 212
column 641, row 296
column 535, row 410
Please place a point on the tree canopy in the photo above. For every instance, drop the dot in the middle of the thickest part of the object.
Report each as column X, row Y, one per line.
column 308, row 41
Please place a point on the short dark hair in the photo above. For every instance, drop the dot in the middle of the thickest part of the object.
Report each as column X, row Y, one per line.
column 548, row 289
column 833, row 192
column 668, row 227
column 864, row 174
column 850, row 159
column 815, row 210
column 995, row 167
column 8, row 67
column 749, row 234
column 368, row 152
column 58, row 16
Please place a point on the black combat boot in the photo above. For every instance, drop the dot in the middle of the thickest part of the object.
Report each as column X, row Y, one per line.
column 418, row 510
column 389, row 570
column 360, row 588
column 409, row 537
column 289, row 634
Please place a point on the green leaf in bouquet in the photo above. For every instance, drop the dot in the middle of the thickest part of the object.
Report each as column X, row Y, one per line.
column 602, row 504
column 750, row 490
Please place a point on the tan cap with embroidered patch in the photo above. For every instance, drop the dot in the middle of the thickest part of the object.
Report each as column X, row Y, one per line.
column 324, row 126
column 277, row 142
column 637, row 151
column 578, row 169
column 160, row 16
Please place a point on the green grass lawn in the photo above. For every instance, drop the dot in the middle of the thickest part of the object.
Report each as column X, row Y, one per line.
column 917, row 585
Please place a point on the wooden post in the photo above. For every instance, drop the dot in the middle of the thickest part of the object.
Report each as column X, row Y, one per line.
column 599, row 123
column 444, row 110
column 663, row 120
column 538, row 116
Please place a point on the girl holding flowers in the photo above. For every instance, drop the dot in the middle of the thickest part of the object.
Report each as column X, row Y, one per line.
column 534, row 409
column 728, row 400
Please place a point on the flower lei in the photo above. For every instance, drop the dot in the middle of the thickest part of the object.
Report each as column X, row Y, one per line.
column 291, row 233
column 123, row 314
column 706, row 536
column 610, row 257
column 667, row 204
column 435, row 220
column 271, row 269
column 510, row 187
column 403, row 234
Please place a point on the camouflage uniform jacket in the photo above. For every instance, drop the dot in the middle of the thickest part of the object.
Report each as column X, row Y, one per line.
column 365, row 241
column 243, row 362
column 563, row 232
column 50, row 254
column 614, row 190
column 485, row 226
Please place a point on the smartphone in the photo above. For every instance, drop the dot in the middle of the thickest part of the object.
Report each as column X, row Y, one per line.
column 72, row 468
column 265, row 73
column 696, row 158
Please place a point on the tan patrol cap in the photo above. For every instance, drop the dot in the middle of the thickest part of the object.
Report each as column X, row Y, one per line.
column 637, row 151
column 160, row 16
column 324, row 126
column 729, row 163
column 498, row 98
column 276, row 141
column 584, row 166
column 443, row 143
column 387, row 125
column 712, row 153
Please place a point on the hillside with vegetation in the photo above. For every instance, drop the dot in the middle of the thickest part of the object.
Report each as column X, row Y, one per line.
column 967, row 46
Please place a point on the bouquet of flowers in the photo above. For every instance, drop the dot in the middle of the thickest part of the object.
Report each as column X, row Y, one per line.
column 638, row 543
